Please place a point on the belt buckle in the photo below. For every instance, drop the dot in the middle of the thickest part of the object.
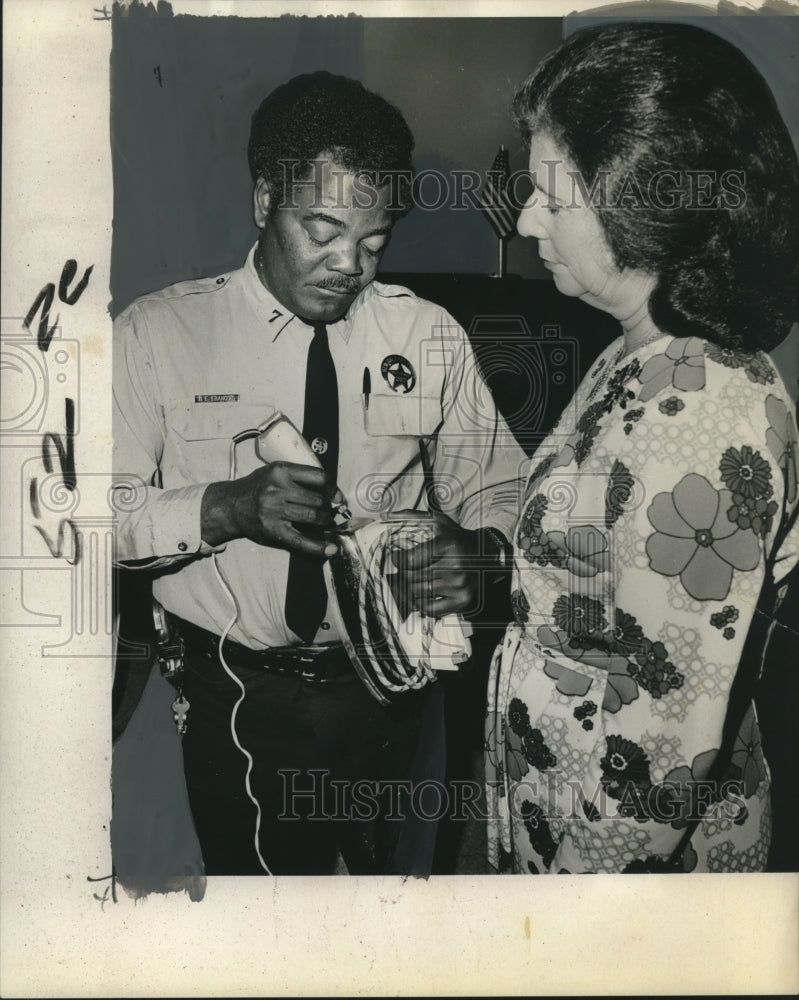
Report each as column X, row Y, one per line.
column 315, row 673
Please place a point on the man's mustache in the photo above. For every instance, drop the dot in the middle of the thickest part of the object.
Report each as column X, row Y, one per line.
column 341, row 284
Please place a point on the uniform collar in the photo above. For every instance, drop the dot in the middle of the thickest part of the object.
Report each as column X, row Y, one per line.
column 266, row 305
column 279, row 317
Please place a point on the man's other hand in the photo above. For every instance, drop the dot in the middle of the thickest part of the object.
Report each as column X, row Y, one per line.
column 441, row 575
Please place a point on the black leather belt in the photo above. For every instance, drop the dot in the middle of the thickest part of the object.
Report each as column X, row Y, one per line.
column 313, row 664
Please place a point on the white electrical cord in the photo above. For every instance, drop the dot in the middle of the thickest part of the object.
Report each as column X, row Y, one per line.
column 252, row 432
column 402, row 676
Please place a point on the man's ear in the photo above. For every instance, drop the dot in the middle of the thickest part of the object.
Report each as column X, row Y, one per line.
column 261, row 202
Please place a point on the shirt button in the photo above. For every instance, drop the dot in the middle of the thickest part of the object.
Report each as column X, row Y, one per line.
column 182, row 546
column 220, row 281
column 325, row 626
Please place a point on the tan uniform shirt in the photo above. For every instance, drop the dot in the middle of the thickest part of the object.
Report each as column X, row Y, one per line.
column 202, row 361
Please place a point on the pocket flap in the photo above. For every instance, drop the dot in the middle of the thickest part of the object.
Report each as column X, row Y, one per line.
column 207, row 421
column 393, row 415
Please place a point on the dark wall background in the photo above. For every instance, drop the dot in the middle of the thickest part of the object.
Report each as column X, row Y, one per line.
column 183, row 90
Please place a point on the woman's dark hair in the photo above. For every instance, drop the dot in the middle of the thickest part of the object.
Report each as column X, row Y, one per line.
column 695, row 172
column 320, row 113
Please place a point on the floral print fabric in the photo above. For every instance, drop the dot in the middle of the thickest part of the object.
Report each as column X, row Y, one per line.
column 639, row 557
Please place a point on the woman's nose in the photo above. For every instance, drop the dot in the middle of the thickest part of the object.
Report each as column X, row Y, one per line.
column 531, row 218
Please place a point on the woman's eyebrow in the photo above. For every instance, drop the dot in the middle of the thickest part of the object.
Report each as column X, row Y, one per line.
column 550, row 197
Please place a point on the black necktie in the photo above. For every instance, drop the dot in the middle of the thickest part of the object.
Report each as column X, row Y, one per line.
column 306, row 595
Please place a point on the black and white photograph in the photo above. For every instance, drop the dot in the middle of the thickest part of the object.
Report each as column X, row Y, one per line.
column 399, row 483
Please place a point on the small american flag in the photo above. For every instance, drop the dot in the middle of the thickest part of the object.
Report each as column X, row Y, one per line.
column 494, row 198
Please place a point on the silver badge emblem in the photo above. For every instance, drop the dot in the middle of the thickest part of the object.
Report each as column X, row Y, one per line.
column 398, row 372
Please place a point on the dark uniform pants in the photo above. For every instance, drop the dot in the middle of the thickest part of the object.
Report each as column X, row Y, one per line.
column 332, row 770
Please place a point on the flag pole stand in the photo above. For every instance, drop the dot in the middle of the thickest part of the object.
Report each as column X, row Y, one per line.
column 499, row 209
column 501, row 261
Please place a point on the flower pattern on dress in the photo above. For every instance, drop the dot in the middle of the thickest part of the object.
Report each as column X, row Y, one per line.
column 583, row 550
column 653, row 671
column 569, row 682
column 695, row 540
column 583, row 714
column 747, row 756
column 620, row 688
column 746, row 472
column 536, row 752
column 577, row 614
column 729, row 613
column 781, row 437
column 538, row 831
column 532, row 539
column 618, row 492
column 530, row 744
column 585, row 710
column 754, row 364
column 518, row 717
column 623, row 673
column 685, row 793
column 601, row 371
column 748, row 475
column 626, row 637
column 624, row 763
column 494, row 760
column 516, row 763
column 759, row 369
column 631, row 659
column 654, row 865
column 671, row 406
column 631, row 417
column 520, row 606
column 618, row 393
column 540, row 471
column 756, row 513
column 681, row 366
column 584, row 441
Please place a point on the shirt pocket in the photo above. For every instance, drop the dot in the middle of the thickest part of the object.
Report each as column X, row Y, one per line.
column 200, row 437
column 395, row 415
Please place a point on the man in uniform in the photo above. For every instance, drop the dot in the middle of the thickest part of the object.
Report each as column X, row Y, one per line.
column 366, row 371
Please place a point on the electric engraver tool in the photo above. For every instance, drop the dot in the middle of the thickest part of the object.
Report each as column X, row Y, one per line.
column 280, row 441
column 390, row 656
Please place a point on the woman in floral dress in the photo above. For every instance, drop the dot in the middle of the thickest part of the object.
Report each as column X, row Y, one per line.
column 666, row 194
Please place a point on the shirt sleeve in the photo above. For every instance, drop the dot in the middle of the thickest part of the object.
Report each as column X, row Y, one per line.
column 155, row 527
column 480, row 467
